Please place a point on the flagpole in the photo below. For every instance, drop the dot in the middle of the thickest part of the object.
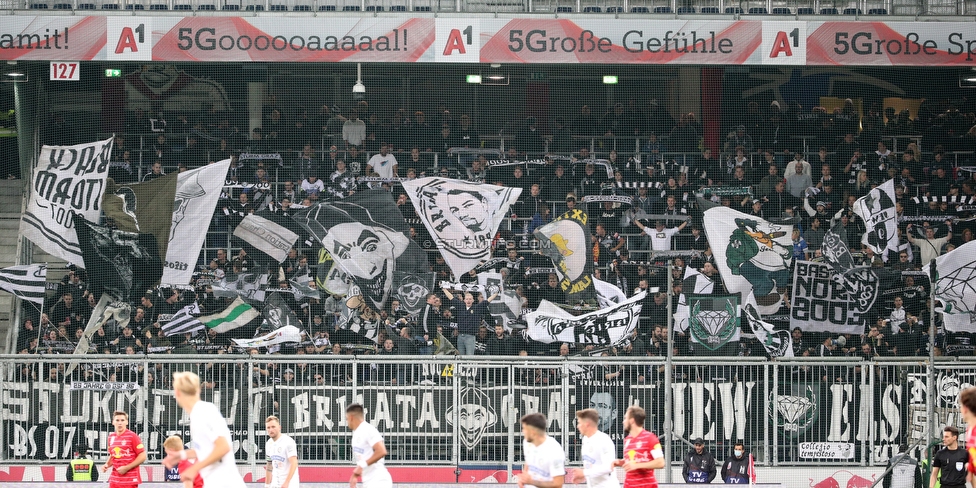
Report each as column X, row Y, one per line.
column 668, row 377
column 930, row 407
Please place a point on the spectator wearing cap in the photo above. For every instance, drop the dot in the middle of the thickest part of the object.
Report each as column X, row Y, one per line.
column 699, row 464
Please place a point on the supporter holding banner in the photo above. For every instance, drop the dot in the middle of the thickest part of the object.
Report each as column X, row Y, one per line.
column 566, row 240
column 364, row 233
column 412, row 289
column 461, row 217
column 67, row 181
column 236, row 315
column 954, row 279
column 822, row 303
column 249, row 286
column 877, row 210
column 753, row 255
column 197, row 192
column 778, row 343
column 142, row 207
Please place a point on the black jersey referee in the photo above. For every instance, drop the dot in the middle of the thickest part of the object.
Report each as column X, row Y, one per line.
column 950, row 462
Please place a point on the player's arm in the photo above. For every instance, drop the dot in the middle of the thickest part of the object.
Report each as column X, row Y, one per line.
column 934, row 477
column 292, row 469
column 268, row 470
column 556, row 482
column 221, row 448
column 605, row 458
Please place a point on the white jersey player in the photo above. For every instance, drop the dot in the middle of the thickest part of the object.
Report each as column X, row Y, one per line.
column 545, row 462
column 368, row 451
column 599, row 453
column 281, row 470
column 211, row 438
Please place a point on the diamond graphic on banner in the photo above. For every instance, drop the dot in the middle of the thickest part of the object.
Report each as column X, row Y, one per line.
column 714, row 320
column 798, row 411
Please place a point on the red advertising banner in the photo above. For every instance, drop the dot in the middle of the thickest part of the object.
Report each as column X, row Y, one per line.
column 474, row 40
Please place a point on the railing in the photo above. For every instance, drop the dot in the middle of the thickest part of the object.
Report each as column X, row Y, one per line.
column 438, row 410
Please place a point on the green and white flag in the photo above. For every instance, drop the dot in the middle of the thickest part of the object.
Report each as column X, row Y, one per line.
column 238, row 314
column 713, row 320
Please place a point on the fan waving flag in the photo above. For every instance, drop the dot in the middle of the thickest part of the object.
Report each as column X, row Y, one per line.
column 605, row 327
column 25, row 281
column 267, row 236
column 877, row 210
column 954, row 282
column 118, row 263
column 753, row 255
column 365, row 235
column 284, row 335
column 236, row 315
column 566, row 240
column 462, row 217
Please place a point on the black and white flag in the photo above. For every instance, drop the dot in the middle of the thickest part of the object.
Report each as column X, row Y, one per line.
column 266, row 236
column 566, row 241
column 778, row 343
column 606, row 327
column 197, row 192
column 365, row 235
column 277, row 313
column 462, row 217
column 118, row 263
column 249, row 286
column 693, row 283
column 183, row 321
column 25, row 281
column 877, row 210
column 955, row 287
column 67, row 181
column 412, row 288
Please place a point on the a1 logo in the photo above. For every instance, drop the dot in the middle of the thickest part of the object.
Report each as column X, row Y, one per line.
column 129, row 39
column 784, row 43
column 457, row 40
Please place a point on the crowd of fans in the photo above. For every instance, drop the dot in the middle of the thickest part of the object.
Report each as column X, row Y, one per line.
column 805, row 167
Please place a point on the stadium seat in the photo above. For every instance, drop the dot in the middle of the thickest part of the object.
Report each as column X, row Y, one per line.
column 758, row 11
column 828, row 11
column 38, row 6
column 688, row 10
column 351, row 8
column 110, row 6
column 615, row 10
column 182, row 7
column 564, row 10
column 852, row 11
column 878, row 11
column 782, row 11
column 231, row 8
column 592, row 10
column 301, row 8
column 640, row 10
column 662, row 10
column 158, row 6
column 422, row 8
column 709, row 10
column 136, row 6
column 62, row 6
column 86, row 6
column 207, row 7
column 374, row 8
column 398, row 8
column 278, row 8
column 804, row 11
column 327, row 8
column 733, row 10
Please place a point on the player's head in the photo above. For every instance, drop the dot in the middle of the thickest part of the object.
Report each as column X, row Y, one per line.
column 354, row 415
column 967, row 404
column 186, row 387
column 634, row 418
column 587, row 421
column 273, row 426
column 950, row 436
column 173, row 444
column 534, row 427
column 120, row 420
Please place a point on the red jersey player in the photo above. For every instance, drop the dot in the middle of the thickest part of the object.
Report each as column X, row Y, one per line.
column 125, row 453
column 967, row 408
column 642, row 451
